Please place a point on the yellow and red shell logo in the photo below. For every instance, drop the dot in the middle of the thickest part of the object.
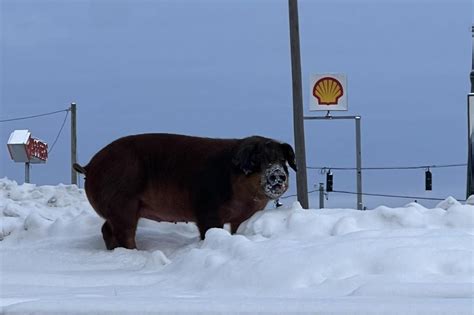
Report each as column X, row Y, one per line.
column 328, row 91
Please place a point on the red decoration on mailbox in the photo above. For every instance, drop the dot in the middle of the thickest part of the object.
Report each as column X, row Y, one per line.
column 24, row 148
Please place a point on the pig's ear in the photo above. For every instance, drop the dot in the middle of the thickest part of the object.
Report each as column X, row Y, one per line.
column 289, row 155
column 247, row 156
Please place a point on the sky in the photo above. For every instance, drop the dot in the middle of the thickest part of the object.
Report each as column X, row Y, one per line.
column 222, row 69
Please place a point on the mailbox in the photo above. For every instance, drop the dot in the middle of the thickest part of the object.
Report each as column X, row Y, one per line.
column 24, row 148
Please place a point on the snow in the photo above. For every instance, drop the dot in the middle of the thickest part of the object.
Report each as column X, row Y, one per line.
column 407, row 260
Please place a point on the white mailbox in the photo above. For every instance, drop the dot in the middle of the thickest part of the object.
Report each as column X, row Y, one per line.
column 24, row 148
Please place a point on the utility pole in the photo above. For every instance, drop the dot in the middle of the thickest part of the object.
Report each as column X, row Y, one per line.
column 298, row 125
column 73, row 143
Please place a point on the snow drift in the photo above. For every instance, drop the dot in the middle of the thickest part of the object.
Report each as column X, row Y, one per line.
column 407, row 260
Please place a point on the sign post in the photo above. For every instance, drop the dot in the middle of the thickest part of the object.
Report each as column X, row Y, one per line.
column 329, row 92
column 26, row 149
column 27, row 172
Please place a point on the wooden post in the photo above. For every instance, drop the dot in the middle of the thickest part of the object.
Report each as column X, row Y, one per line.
column 73, row 143
column 298, row 124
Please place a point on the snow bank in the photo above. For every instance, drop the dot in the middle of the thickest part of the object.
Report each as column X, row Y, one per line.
column 407, row 260
column 32, row 208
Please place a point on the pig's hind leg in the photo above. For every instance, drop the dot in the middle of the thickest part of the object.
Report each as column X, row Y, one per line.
column 121, row 223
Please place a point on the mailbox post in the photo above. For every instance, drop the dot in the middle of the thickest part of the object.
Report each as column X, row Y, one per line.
column 24, row 148
column 27, row 172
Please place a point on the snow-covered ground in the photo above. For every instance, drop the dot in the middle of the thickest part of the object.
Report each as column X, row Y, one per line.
column 408, row 260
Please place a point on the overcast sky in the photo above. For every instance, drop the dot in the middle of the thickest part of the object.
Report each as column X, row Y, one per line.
column 222, row 69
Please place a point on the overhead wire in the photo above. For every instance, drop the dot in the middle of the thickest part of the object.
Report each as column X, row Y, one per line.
column 294, row 195
column 375, row 195
column 42, row 115
column 59, row 133
column 325, row 169
column 387, row 167
column 33, row 116
column 392, row 196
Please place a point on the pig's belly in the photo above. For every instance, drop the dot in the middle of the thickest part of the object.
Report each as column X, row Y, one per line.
column 168, row 205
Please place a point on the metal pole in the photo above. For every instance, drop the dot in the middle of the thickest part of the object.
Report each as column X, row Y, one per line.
column 73, row 143
column 470, row 159
column 470, row 152
column 358, row 150
column 298, row 126
column 321, row 195
column 359, row 164
column 329, row 117
column 27, row 172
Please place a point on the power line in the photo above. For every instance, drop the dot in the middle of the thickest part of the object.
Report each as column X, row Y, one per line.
column 42, row 115
column 392, row 196
column 34, row 116
column 59, row 133
column 322, row 168
column 309, row 192
column 376, row 195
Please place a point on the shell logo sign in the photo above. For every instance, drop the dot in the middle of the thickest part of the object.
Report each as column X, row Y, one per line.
column 328, row 92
